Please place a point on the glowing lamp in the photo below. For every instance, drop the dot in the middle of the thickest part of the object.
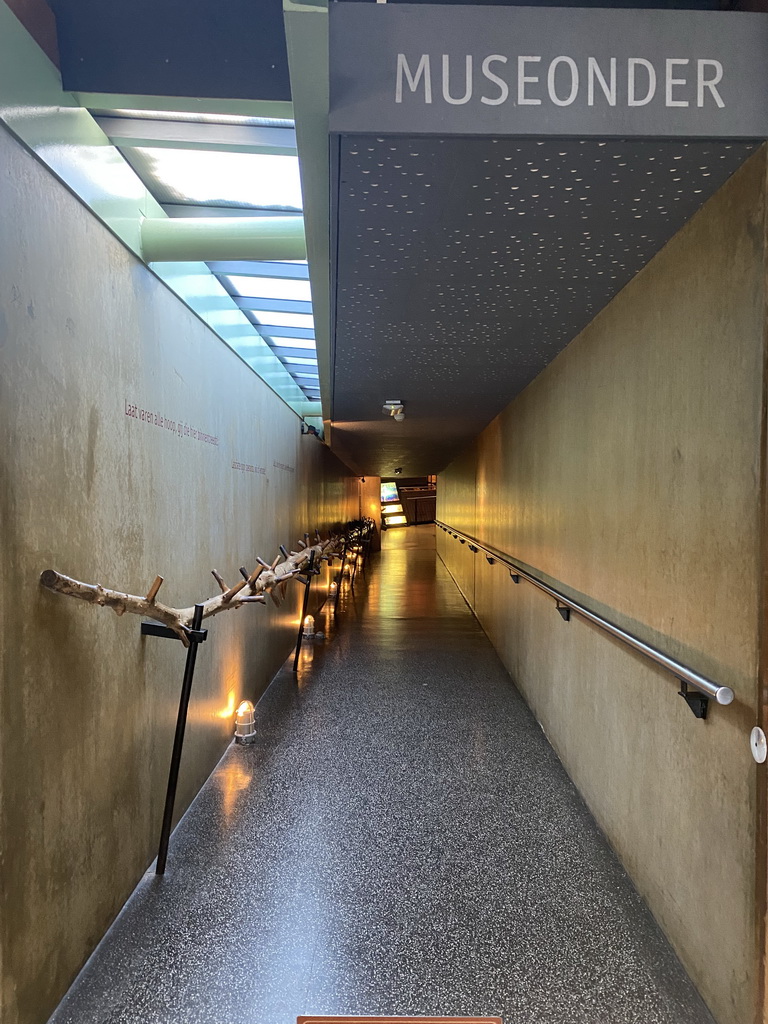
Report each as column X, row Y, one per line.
column 245, row 723
column 333, row 587
column 309, row 626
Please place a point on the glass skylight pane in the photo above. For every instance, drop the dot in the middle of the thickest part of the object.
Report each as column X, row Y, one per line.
column 297, row 343
column 270, row 287
column 211, row 176
column 185, row 115
column 298, row 361
column 265, row 316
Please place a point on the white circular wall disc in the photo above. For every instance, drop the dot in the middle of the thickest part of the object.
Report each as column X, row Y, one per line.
column 759, row 744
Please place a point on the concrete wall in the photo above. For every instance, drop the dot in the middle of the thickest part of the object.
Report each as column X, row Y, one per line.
column 87, row 336
column 628, row 474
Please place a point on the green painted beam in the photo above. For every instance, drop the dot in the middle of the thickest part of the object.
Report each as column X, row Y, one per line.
column 306, row 29
column 222, row 238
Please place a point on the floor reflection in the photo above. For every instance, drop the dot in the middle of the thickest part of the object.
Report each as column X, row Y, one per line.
column 400, row 839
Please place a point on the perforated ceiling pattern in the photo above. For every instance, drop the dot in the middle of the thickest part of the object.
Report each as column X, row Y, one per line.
column 465, row 265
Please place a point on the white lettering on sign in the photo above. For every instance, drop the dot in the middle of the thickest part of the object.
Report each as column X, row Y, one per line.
column 703, row 83
column 522, row 78
column 633, row 100
column 609, row 88
column 502, row 85
column 570, row 63
column 461, row 80
column 457, row 100
column 671, row 82
column 422, row 71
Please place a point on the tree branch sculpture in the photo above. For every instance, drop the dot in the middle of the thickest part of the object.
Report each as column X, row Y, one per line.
column 251, row 589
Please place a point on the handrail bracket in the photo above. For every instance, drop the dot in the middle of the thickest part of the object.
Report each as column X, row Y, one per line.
column 697, row 701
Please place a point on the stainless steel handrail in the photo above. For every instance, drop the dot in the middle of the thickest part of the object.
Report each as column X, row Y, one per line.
column 722, row 694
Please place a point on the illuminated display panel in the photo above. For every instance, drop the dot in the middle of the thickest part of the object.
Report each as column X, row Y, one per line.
column 389, row 492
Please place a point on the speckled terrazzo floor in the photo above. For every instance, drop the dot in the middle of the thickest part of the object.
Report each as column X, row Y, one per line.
column 400, row 840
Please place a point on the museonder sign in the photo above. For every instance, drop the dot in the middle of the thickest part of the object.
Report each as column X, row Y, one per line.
column 455, row 70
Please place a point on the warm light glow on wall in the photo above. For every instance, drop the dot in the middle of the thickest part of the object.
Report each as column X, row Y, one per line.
column 229, row 710
column 231, row 684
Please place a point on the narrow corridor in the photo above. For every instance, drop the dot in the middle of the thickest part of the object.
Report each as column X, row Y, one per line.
column 400, row 839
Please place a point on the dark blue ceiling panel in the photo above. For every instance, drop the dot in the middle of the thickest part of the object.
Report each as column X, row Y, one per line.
column 234, row 50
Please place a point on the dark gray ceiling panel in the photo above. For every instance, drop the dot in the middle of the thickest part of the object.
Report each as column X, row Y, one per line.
column 465, row 265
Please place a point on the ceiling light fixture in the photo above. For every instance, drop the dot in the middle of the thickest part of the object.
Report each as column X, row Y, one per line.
column 394, row 408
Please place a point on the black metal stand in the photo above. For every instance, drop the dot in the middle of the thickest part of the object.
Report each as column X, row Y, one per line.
column 366, row 545
column 353, row 574
column 357, row 541
column 341, row 576
column 196, row 636
column 306, row 580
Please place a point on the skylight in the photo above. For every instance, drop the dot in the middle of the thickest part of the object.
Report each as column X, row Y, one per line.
column 270, row 287
column 201, row 164
column 294, row 343
column 275, row 319
column 223, row 178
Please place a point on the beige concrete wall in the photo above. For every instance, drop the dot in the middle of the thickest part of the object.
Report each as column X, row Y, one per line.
column 457, row 505
column 629, row 474
column 88, row 705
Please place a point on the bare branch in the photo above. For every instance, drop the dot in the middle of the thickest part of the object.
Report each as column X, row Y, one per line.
column 262, row 580
column 152, row 592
